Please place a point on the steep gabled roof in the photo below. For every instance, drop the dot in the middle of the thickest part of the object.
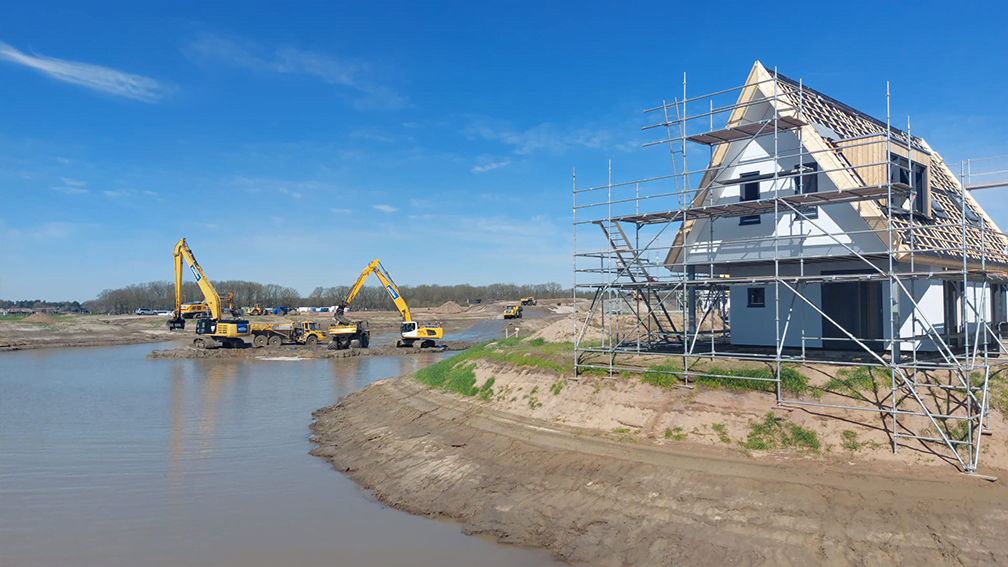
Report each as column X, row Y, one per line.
column 931, row 242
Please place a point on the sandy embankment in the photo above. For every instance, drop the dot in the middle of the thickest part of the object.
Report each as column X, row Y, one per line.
column 616, row 472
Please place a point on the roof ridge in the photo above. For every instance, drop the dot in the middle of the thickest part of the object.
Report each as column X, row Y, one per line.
column 843, row 106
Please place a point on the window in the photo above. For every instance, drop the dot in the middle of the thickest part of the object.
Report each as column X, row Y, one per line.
column 757, row 297
column 749, row 192
column 915, row 177
column 808, row 182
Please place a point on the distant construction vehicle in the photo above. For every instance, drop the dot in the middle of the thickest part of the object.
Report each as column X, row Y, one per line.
column 303, row 333
column 214, row 331
column 513, row 312
column 411, row 333
column 528, row 301
column 257, row 311
column 194, row 310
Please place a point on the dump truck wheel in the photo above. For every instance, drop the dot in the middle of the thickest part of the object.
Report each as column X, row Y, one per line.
column 355, row 343
column 259, row 341
column 365, row 341
column 274, row 341
column 312, row 340
column 199, row 343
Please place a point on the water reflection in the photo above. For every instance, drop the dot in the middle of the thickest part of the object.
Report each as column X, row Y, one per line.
column 108, row 459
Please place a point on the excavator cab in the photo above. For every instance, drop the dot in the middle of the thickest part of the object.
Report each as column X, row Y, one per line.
column 408, row 327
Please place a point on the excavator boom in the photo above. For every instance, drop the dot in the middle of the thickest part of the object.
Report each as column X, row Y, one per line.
column 390, row 288
column 213, row 299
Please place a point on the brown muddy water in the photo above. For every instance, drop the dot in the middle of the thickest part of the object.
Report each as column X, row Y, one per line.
column 109, row 459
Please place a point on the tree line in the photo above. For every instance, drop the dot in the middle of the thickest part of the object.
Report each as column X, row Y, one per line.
column 161, row 295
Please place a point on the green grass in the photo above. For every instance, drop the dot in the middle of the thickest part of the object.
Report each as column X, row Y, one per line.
column 719, row 428
column 485, row 391
column 662, row 375
column 772, row 433
column 12, row 317
column 533, row 401
column 451, row 374
column 850, row 441
column 537, row 342
column 675, row 434
column 556, row 387
column 756, row 379
column 853, row 381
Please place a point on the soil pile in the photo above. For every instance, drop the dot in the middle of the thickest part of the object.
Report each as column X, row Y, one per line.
column 563, row 331
column 447, row 307
column 542, row 484
column 39, row 318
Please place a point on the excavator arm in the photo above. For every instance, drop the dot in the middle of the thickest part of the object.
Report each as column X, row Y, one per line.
column 390, row 288
column 213, row 299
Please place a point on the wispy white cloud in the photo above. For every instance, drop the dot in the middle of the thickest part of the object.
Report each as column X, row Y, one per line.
column 63, row 160
column 386, row 208
column 210, row 48
column 370, row 135
column 545, row 136
column 341, row 211
column 116, row 193
column 74, row 182
column 150, row 193
column 71, row 190
column 94, row 77
column 489, row 166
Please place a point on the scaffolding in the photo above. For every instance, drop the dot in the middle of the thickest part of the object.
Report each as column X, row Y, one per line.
column 664, row 259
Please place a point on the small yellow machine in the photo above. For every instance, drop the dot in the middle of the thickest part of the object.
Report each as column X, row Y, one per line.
column 528, row 301
column 513, row 312
column 214, row 331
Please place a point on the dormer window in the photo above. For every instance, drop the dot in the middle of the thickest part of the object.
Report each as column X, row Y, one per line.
column 915, row 177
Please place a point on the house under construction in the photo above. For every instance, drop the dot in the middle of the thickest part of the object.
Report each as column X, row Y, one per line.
column 813, row 233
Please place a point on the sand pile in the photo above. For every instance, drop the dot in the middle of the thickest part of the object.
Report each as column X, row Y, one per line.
column 39, row 318
column 448, row 307
column 562, row 331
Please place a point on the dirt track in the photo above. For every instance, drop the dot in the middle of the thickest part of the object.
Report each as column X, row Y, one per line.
column 540, row 484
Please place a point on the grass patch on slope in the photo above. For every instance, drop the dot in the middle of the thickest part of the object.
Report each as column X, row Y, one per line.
column 756, row 378
column 455, row 374
column 772, row 433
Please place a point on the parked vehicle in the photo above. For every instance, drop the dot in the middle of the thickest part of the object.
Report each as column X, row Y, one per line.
column 145, row 311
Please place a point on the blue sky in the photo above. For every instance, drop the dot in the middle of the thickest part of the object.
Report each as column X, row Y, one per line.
column 292, row 144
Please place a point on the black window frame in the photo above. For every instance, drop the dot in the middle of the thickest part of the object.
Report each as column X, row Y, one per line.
column 744, row 190
column 915, row 177
column 756, row 297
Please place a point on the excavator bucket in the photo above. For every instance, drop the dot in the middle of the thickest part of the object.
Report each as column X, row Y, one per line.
column 176, row 323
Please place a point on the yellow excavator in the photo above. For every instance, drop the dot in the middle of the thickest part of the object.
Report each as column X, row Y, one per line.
column 214, row 331
column 411, row 333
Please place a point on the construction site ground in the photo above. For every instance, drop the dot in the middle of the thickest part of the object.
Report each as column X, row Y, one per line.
column 74, row 330
column 613, row 471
